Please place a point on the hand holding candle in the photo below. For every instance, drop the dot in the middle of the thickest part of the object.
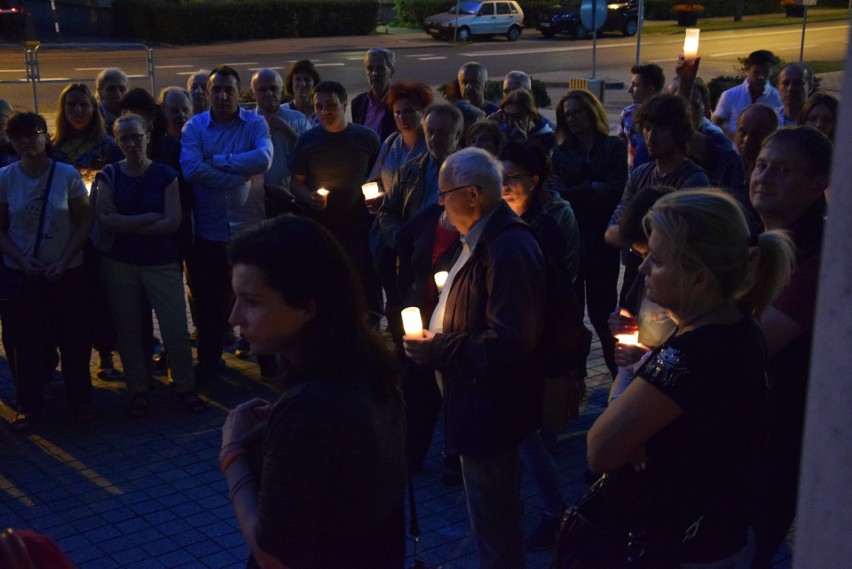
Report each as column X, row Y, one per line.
column 370, row 190
column 441, row 279
column 321, row 198
column 412, row 322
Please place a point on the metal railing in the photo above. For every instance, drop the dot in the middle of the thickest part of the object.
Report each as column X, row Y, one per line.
column 29, row 66
column 34, row 71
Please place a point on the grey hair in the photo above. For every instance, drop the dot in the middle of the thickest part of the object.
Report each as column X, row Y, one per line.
column 807, row 73
column 204, row 72
column 166, row 91
column 389, row 57
column 109, row 73
column 520, row 77
column 477, row 167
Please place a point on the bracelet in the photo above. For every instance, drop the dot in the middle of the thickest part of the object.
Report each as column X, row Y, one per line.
column 230, row 458
column 243, row 481
column 225, row 448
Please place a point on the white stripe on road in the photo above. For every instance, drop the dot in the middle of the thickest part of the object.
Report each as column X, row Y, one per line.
column 329, row 64
column 259, row 68
column 431, row 58
column 171, row 66
column 420, row 55
column 242, row 63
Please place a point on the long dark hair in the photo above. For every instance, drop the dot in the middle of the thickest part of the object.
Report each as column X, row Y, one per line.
column 303, row 262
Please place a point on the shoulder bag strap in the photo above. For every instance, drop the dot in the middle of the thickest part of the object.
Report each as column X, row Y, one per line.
column 44, row 197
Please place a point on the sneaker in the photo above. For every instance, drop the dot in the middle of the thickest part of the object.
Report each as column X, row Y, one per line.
column 545, row 533
column 22, row 422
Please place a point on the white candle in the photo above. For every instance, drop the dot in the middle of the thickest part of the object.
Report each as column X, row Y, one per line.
column 690, row 43
column 370, row 190
column 628, row 339
column 441, row 279
column 412, row 322
column 323, row 192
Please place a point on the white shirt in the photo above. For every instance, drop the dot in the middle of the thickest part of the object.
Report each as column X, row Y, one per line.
column 734, row 100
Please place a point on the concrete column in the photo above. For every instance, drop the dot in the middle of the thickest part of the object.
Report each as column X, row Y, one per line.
column 825, row 492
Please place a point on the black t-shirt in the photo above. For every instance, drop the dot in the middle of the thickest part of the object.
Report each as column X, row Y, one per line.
column 698, row 464
column 332, row 479
column 339, row 162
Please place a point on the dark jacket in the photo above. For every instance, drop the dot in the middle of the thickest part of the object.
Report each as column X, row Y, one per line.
column 359, row 111
column 409, row 188
column 492, row 325
column 415, row 241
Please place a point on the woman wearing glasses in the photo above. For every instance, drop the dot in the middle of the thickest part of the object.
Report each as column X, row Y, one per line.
column 139, row 204
column 44, row 222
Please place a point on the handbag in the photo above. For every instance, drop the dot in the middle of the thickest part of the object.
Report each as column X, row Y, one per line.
column 101, row 239
column 12, row 280
column 584, row 544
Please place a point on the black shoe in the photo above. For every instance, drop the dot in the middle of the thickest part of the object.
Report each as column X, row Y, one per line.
column 205, row 373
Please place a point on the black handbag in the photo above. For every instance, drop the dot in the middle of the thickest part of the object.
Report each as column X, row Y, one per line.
column 12, row 280
column 583, row 543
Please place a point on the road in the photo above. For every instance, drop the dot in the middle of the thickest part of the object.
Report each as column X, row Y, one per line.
column 423, row 59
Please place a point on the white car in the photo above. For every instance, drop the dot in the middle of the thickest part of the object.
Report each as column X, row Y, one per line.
column 488, row 18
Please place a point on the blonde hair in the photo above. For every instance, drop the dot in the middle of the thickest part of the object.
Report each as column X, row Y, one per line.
column 708, row 229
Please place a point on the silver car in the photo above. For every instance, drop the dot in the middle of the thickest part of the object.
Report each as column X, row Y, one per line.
column 489, row 18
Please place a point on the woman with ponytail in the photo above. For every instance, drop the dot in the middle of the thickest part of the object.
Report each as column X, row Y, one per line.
column 677, row 443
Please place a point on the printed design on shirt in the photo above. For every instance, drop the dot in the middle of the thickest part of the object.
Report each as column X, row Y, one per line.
column 32, row 213
column 666, row 367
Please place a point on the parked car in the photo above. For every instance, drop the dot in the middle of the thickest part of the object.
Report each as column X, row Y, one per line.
column 487, row 18
column 565, row 19
column 12, row 21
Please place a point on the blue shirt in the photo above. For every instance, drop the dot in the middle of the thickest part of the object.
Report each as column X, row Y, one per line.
column 216, row 159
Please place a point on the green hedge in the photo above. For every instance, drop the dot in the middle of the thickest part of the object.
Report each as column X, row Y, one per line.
column 662, row 9
column 201, row 22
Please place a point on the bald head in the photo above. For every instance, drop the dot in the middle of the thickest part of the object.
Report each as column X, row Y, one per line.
column 267, row 86
column 754, row 124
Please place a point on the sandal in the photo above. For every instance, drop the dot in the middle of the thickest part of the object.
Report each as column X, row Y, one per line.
column 22, row 422
column 85, row 413
column 139, row 405
column 191, row 403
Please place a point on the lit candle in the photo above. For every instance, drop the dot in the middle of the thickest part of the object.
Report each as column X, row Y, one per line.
column 323, row 192
column 690, row 43
column 412, row 322
column 371, row 190
column 441, row 279
column 628, row 339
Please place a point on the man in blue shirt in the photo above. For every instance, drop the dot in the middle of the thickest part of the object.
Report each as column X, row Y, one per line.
column 221, row 150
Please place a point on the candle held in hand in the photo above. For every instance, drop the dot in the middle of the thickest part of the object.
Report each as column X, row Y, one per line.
column 370, row 190
column 323, row 192
column 412, row 322
column 441, row 279
column 690, row 44
column 628, row 339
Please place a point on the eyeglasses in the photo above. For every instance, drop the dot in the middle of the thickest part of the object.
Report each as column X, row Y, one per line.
column 443, row 195
column 28, row 137
column 131, row 138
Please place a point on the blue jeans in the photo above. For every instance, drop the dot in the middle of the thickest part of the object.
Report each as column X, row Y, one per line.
column 541, row 470
column 496, row 508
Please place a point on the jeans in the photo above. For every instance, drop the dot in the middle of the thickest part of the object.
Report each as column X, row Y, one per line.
column 207, row 263
column 47, row 315
column 162, row 286
column 539, row 466
column 596, row 287
column 495, row 506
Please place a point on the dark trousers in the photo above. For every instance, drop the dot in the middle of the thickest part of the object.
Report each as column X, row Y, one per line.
column 48, row 315
column 774, row 492
column 596, row 286
column 210, row 273
column 422, row 406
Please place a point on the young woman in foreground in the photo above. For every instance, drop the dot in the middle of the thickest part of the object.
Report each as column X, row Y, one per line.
column 316, row 478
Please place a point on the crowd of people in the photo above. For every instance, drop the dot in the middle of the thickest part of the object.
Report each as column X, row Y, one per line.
column 257, row 218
